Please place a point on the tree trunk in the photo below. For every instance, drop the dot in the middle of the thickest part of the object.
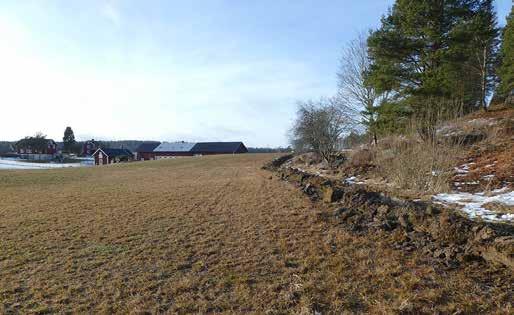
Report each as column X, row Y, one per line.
column 483, row 86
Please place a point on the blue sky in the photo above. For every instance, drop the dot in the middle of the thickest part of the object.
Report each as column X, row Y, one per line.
column 172, row 70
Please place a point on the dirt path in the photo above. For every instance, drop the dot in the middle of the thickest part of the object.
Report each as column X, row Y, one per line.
column 211, row 234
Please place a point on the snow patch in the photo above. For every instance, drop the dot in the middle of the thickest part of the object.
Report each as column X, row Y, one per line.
column 464, row 168
column 353, row 180
column 350, row 180
column 472, row 204
column 466, row 183
column 19, row 165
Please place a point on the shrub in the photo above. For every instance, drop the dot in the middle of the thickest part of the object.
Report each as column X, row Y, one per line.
column 421, row 166
column 362, row 158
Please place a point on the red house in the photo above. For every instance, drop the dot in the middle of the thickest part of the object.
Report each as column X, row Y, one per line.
column 110, row 156
column 36, row 148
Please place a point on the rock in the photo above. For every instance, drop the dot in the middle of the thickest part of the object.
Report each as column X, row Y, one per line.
column 297, row 177
column 404, row 222
column 431, row 210
column 331, row 194
column 344, row 213
column 389, row 224
column 309, row 189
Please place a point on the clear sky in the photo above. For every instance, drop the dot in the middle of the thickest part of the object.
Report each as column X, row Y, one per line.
column 210, row 70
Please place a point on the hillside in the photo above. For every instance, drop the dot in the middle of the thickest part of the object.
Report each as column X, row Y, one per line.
column 470, row 165
column 211, row 235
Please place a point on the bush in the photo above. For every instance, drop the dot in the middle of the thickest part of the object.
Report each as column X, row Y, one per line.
column 362, row 158
column 419, row 166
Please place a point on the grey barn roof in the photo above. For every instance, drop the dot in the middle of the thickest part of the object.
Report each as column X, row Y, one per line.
column 174, row 147
column 194, row 148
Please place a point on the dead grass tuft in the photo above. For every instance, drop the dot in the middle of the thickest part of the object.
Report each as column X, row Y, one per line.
column 419, row 166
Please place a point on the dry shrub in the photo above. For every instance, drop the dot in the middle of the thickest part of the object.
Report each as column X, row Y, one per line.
column 362, row 158
column 419, row 166
column 396, row 143
column 504, row 129
column 309, row 158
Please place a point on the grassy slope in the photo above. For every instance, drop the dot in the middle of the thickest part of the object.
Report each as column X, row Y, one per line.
column 209, row 234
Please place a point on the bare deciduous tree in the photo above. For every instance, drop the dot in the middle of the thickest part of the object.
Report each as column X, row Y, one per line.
column 358, row 98
column 319, row 126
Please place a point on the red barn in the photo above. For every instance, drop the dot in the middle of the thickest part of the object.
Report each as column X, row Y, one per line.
column 172, row 149
column 145, row 150
column 156, row 150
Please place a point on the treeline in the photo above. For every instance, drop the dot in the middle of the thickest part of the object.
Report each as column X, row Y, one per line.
column 6, row 147
column 429, row 61
column 269, row 150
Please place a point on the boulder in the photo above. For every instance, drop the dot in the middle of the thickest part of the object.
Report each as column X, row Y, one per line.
column 404, row 222
column 309, row 189
column 331, row 194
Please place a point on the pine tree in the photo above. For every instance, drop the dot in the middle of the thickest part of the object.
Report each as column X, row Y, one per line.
column 506, row 69
column 68, row 139
column 435, row 57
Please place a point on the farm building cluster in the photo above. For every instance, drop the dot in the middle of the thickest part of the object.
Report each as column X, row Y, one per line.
column 41, row 148
column 33, row 148
column 162, row 150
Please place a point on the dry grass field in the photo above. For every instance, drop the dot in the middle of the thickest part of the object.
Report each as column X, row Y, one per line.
column 208, row 235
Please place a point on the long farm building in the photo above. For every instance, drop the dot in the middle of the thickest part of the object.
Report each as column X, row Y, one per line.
column 156, row 150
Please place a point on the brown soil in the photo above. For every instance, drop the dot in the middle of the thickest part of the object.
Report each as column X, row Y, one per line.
column 492, row 159
column 210, row 235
